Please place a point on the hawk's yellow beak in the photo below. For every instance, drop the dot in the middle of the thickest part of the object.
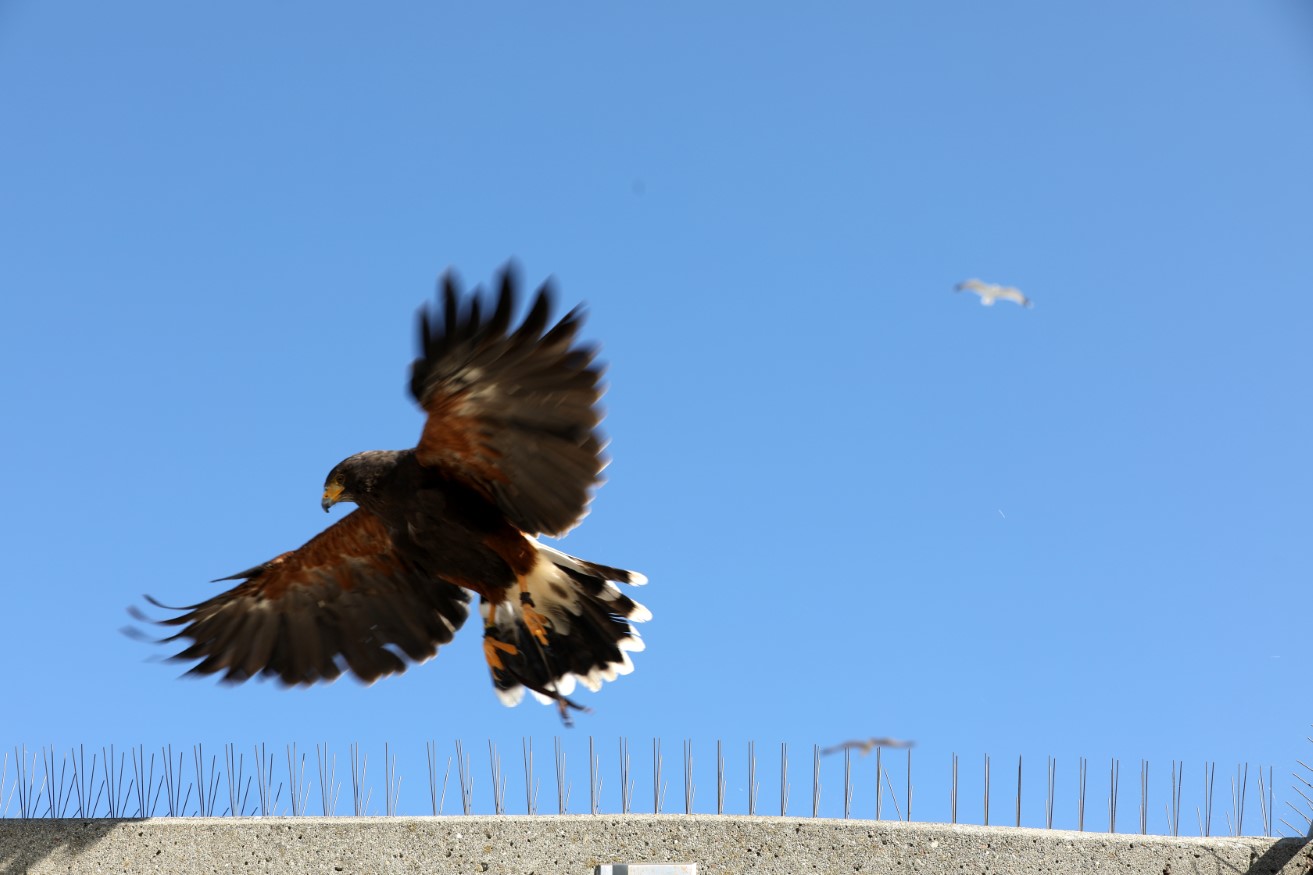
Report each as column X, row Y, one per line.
column 332, row 492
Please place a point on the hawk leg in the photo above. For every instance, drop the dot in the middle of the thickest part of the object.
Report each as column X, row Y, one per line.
column 533, row 621
column 494, row 647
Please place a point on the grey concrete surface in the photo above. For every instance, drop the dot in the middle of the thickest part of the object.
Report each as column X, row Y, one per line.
column 520, row 845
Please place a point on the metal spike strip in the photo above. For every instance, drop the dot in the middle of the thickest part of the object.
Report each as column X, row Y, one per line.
column 1114, row 778
column 626, row 783
column 1144, row 797
column 752, row 778
column 1263, row 809
column 909, row 785
column 784, row 779
column 953, row 792
column 1307, row 818
column 720, row 777
column 531, row 786
column 360, row 794
column 234, row 769
column 1174, row 800
column 465, row 777
column 207, row 791
column 879, row 776
column 1206, row 821
column 113, row 783
column 264, row 773
column 689, row 790
column 1270, row 809
column 897, row 811
column 436, row 800
column 563, row 786
column 1018, row 791
column 1051, row 795
column 172, row 777
column 1080, row 806
column 594, row 779
column 392, row 781
column 816, row 781
column 1239, row 785
column 136, row 783
column 498, row 782
column 847, row 782
column 656, row 776
column 145, row 779
column 299, row 782
column 57, row 797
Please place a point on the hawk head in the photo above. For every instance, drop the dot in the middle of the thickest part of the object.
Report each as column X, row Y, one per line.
column 357, row 475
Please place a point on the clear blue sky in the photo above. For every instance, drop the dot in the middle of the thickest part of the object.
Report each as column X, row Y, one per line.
column 867, row 505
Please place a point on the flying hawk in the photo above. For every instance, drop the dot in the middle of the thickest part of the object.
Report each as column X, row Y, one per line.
column 510, row 450
column 991, row 292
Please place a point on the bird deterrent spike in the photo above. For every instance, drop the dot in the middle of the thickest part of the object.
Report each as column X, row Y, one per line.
column 847, row 782
column 720, row 777
column 784, row 778
column 752, row 778
column 689, row 789
column 953, row 793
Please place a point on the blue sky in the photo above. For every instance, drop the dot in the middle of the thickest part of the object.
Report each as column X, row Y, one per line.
column 867, row 505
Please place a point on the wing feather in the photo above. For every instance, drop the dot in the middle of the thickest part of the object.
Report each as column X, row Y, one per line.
column 345, row 599
column 513, row 412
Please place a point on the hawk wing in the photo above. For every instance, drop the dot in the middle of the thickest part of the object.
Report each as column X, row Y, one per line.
column 344, row 600
column 511, row 412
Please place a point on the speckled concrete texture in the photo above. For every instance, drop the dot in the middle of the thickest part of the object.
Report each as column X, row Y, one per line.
column 573, row 845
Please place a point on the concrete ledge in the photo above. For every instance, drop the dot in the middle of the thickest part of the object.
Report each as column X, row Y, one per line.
column 573, row 845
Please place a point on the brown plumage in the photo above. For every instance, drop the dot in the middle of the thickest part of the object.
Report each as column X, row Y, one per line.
column 510, row 449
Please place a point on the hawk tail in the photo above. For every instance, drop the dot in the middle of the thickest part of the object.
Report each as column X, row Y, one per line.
column 585, row 633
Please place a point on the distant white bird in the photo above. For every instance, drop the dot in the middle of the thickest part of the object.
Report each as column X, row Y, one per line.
column 991, row 292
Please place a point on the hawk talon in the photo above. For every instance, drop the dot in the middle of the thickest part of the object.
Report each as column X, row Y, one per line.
column 534, row 622
column 491, row 648
column 564, row 705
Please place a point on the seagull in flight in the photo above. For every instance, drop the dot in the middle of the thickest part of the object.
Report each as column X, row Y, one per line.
column 991, row 292
column 867, row 745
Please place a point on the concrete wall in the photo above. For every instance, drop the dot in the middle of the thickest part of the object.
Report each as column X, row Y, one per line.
column 519, row 845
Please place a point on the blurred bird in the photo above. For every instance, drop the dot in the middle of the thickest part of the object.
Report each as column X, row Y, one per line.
column 868, row 745
column 991, row 292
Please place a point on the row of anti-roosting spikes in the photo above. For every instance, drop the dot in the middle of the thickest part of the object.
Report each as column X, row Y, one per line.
column 135, row 783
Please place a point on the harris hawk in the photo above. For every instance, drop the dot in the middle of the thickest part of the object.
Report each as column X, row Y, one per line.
column 510, row 450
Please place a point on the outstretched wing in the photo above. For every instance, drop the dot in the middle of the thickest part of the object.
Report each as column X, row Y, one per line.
column 1013, row 294
column 512, row 412
column 344, row 600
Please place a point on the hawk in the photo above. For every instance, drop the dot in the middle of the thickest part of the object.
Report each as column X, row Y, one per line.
column 510, row 450
column 991, row 292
